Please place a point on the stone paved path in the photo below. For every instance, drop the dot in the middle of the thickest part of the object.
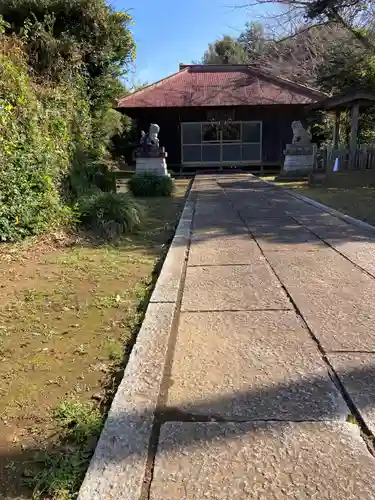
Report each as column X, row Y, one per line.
column 274, row 348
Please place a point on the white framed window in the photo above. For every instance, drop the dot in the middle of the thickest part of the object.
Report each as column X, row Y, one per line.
column 209, row 142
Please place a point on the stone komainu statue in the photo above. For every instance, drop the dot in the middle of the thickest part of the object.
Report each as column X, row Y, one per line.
column 300, row 135
column 151, row 138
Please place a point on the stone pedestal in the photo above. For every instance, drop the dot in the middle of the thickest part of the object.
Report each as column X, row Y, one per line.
column 157, row 166
column 151, row 161
column 299, row 161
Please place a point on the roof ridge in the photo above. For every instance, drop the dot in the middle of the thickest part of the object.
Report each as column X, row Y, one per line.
column 147, row 87
column 255, row 69
column 211, row 65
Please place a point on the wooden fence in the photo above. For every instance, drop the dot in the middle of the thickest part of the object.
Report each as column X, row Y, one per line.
column 363, row 159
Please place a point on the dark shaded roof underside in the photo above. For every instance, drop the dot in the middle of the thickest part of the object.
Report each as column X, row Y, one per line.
column 345, row 101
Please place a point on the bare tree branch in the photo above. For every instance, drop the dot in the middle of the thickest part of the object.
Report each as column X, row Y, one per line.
column 357, row 34
column 303, row 30
column 348, row 13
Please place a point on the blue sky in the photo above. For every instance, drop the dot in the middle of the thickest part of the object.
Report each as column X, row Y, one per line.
column 168, row 32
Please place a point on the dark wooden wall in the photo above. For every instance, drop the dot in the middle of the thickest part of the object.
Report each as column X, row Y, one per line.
column 276, row 131
column 276, row 128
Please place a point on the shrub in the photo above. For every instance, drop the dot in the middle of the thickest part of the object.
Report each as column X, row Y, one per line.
column 36, row 125
column 110, row 214
column 90, row 170
column 58, row 83
column 151, row 185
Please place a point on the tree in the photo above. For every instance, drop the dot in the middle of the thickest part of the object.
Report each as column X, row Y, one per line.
column 345, row 68
column 254, row 40
column 300, row 57
column 296, row 58
column 226, row 50
column 64, row 38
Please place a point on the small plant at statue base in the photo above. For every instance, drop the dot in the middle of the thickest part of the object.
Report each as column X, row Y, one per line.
column 149, row 184
column 109, row 214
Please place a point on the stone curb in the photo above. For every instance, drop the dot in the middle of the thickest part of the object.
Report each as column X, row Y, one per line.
column 324, row 208
column 117, row 469
column 167, row 286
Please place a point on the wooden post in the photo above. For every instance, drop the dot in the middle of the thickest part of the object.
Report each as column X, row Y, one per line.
column 336, row 130
column 353, row 133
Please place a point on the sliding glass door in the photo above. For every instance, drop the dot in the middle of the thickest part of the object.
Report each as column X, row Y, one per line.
column 216, row 143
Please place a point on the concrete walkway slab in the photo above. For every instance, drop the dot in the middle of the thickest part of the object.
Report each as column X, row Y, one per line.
column 210, row 207
column 251, row 365
column 262, row 461
column 227, row 223
column 355, row 243
column 334, row 230
column 216, row 248
column 294, row 206
column 241, row 200
column 357, row 373
column 234, row 287
column 209, row 214
column 245, row 199
column 261, row 213
column 321, row 220
column 283, row 234
column 234, row 186
column 362, row 253
column 332, row 294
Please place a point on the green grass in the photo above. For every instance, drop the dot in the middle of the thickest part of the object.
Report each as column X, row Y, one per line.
column 70, row 309
column 357, row 202
column 61, row 472
column 114, row 349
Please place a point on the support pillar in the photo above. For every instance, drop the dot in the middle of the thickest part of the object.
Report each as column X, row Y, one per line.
column 336, row 130
column 354, row 133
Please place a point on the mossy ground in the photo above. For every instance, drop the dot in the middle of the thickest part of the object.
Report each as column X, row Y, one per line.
column 68, row 310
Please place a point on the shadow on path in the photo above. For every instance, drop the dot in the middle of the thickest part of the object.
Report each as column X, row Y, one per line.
column 290, row 397
column 248, row 208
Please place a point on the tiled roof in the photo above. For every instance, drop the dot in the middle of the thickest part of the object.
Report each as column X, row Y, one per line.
column 219, row 85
